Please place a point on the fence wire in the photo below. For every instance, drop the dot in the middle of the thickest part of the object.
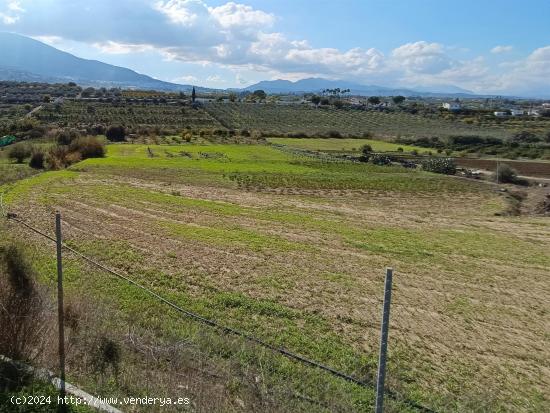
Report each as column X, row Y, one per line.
column 301, row 395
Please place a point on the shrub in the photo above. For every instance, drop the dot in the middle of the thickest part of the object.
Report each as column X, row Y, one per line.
column 23, row 316
column 439, row 165
column 60, row 157
column 19, row 152
column 366, row 149
column 88, row 147
column 116, row 133
column 107, row 354
column 505, row 174
column 37, row 160
column 65, row 137
column 525, row 136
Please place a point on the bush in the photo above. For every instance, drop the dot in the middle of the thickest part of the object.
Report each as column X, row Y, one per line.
column 19, row 152
column 88, row 147
column 366, row 149
column 23, row 316
column 505, row 174
column 37, row 160
column 65, row 137
column 60, row 157
column 116, row 133
column 439, row 166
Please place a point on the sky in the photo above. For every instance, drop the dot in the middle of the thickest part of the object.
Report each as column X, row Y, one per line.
column 485, row 46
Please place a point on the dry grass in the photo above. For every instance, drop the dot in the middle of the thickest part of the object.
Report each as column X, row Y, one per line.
column 305, row 270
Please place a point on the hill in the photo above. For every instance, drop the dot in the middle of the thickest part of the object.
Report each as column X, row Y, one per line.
column 26, row 59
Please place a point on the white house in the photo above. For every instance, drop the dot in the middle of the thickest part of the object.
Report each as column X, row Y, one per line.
column 501, row 114
column 533, row 112
column 452, row 106
column 517, row 112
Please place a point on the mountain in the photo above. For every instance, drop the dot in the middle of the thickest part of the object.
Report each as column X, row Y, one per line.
column 26, row 59
column 443, row 89
column 315, row 85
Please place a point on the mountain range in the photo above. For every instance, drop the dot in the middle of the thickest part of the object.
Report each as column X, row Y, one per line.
column 28, row 60
column 316, row 85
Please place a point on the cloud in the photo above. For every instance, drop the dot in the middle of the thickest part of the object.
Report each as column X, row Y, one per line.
column 215, row 79
column 231, row 15
column 185, row 79
column 501, row 49
column 51, row 40
column 10, row 11
column 422, row 57
column 111, row 47
column 243, row 39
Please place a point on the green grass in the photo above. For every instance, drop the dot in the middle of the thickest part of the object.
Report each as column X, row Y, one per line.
column 233, row 236
column 345, row 145
column 259, row 166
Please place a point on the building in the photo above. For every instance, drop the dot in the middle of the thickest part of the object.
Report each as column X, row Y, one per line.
column 517, row 112
column 501, row 114
column 452, row 106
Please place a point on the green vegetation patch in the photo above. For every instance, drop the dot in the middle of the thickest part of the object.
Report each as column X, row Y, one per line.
column 440, row 245
column 344, row 145
column 233, row 236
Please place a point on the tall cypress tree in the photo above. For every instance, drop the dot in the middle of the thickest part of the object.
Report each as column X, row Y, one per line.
column 193, row 95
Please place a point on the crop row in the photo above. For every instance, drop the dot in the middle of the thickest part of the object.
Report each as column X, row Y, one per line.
column 301, row 118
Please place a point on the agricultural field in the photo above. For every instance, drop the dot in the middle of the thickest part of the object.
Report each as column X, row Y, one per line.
column 292, row 249
column 279, row 119
column 345, row 145
column 82, row 114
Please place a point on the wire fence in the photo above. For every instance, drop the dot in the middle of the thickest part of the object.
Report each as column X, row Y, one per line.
column 300, row 386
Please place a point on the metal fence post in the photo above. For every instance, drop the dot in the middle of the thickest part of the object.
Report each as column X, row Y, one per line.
column 60, row 316
column 383, row 342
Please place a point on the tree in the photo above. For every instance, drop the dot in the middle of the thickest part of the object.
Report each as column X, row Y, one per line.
column 374, row 100
column 398, row 99
column 37, row 160
column 193, row 95
column 506, row 174
column 315, row 99
column 46, row 99
column 19, row 152
column 547, row 137
column 116, row 133
column 366, row 149
column 89, row 91
column 232, row 97
column 260, row 94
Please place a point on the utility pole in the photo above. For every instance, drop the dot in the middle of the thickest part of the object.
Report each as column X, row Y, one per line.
column 383, row 342
column 60, row 316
